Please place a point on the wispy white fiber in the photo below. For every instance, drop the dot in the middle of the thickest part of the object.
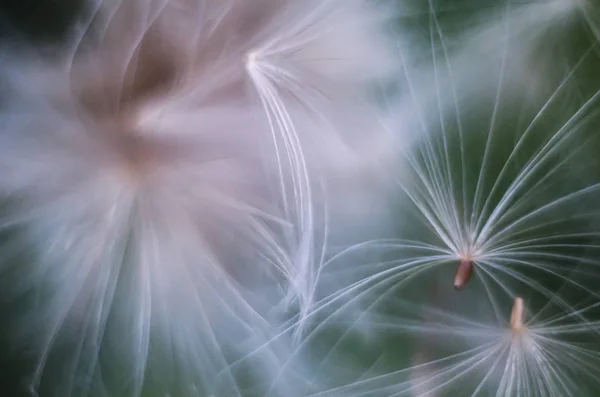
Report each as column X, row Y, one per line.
column 168, row 172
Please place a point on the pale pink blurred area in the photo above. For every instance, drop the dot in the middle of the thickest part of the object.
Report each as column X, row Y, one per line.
column 175, row 168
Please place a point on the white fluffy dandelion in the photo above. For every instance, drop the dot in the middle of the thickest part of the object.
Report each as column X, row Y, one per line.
column 492, row 179
column 165, row 175
column 480, row 347
column 178, row 179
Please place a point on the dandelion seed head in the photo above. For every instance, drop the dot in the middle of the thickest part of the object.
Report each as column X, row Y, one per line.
column 170, row 166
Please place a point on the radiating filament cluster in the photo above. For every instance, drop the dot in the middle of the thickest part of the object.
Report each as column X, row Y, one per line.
column 304, row 198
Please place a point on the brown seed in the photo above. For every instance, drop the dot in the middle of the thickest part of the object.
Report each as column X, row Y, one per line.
column 463, row 274
column 517, row 317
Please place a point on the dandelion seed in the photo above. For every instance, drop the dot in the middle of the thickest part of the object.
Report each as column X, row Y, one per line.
column 517, row 316
column 472, row 346
column 463, row 274
column 491, row 179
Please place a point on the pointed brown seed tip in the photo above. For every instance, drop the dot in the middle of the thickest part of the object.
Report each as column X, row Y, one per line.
column 463, row 274
column 517, row 317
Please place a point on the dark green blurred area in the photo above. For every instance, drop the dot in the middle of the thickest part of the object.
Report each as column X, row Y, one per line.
column 28, row 22
column 43, row 21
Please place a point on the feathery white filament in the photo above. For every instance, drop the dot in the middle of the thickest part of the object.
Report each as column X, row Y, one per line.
column 140, row 167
